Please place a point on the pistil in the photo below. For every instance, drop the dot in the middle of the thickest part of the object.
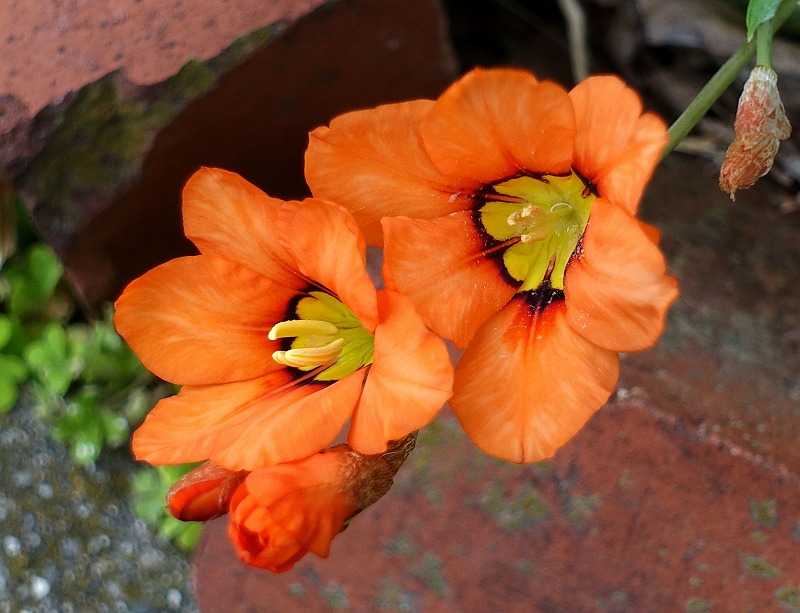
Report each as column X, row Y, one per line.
column 547, row 215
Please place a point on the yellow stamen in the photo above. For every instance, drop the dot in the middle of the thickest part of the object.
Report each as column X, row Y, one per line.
column 304, row 327
column 310, row 357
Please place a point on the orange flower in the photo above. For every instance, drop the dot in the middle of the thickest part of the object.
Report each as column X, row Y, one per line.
column 277, row 335
column 508, row 216
column 282, row 512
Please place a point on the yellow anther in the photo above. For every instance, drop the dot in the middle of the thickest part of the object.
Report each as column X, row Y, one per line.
column 310, row 357
column 304, row 327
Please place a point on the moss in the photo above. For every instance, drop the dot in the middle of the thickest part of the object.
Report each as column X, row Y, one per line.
column 98, row 141
column 789, row 597
column 401, row 546
column 524, row 509
column 759, row 567
column 336, row 597
column 698, row 605
column 759, row 536
column 764, row 512
column 392, row 597
column 581, row 509
column 429, row 571
column 297, row 589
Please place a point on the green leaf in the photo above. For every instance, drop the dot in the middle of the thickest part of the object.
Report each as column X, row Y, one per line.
column 8, row 224
column 87, row 444
column 8, row 394
column 150, row 487
column 44, row 269
column 12, row 368
column 148, row 496
column 759, row 11
column 6, row 330
column 23, row 297
column 49, row 360
column 115, row 428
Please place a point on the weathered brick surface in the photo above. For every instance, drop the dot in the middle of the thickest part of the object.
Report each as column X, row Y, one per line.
column 102, row 172
column 53, row 47
column 635, row 515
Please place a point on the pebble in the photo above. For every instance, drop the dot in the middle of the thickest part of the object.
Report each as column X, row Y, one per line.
column 174, row 599
column 12, row 546
column 39, row 587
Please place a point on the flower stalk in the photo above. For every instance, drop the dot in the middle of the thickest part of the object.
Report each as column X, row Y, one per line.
column 726, row 74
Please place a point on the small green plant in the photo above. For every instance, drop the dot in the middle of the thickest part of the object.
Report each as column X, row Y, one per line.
column 28, row 298
column 85, row 382
column 150, row 488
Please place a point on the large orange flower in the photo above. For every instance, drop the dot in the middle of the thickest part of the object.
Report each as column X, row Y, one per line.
column 276, row 334
column 507, row 208
column 280, row 513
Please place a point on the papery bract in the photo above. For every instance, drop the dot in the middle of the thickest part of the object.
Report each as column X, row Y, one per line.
column 760, row 125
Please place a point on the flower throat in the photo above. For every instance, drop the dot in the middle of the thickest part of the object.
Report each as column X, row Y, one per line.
column 543, row 218
column 326, row 336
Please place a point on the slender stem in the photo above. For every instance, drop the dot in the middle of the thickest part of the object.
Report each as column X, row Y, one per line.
column 764, row 45
column 721, row 80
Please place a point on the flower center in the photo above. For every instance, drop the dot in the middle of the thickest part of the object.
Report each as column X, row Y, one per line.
column 543, row 218
column 325, row 333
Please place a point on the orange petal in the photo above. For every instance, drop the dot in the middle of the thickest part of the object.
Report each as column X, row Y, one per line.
column 227, row 216
column 616, row 147
column 373, row 163
column 203, row 493
column 326, row 246
column 201, row 319
column 623, row 181
column 653, row 233
column 527, row 382
column 491, row 124
column 409, row 381
column 618, row 291
column 246, row 425
column 440, row 265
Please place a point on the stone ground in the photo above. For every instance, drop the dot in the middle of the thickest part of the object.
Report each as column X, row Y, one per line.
column 69, row 543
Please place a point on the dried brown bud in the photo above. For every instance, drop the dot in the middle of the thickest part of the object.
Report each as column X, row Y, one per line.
column 760, row 126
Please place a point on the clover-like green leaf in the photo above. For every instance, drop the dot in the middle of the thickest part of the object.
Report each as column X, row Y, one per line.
column 32, row 280
column 6, row 330
column 9, row 391
column 49, row 359
column 150, row 487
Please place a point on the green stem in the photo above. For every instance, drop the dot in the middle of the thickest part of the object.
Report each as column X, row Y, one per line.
column 764, row 45
column 722, row 79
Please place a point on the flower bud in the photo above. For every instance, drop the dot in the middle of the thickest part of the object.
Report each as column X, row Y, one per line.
column 280, row 513
column 203, row 493
column 760, row 126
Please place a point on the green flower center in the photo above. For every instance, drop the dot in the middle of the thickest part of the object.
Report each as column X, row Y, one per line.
column 543, row 219
column 325, row 334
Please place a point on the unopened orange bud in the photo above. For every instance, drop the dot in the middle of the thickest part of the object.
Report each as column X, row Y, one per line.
column 203, row 493
column 760, row 126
